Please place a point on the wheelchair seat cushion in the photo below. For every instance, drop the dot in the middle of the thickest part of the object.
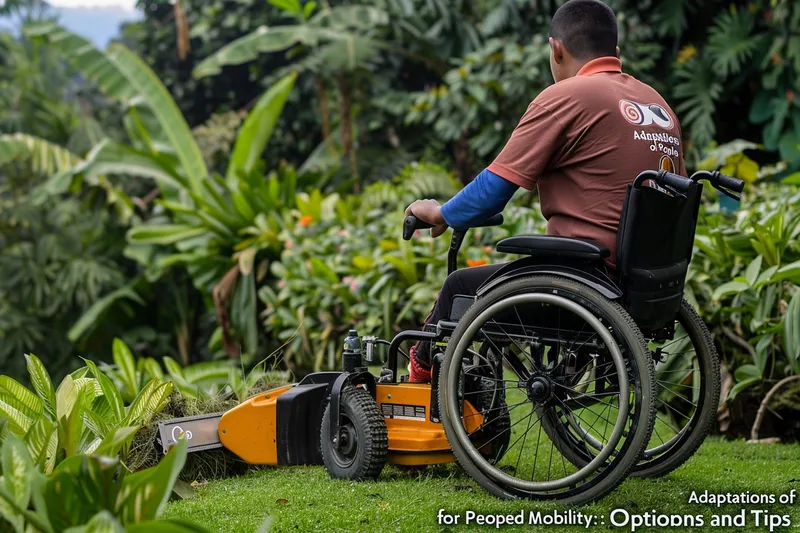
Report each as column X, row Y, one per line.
column 552, row 246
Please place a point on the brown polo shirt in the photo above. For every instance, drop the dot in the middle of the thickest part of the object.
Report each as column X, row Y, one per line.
column 583, row 141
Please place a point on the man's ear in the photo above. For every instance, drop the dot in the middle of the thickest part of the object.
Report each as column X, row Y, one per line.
column 558, row 50
column 618, row 52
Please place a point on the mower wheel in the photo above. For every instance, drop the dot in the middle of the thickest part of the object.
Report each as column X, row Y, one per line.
column 360, row 449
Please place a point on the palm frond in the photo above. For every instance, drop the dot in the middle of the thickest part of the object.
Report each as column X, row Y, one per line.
column 698, row 90
column 731, row 42
column 43, row 156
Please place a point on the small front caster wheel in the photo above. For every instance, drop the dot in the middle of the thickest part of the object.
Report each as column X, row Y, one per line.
column 359, row 450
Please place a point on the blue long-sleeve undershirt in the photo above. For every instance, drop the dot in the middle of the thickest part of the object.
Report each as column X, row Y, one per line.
column 483, row 197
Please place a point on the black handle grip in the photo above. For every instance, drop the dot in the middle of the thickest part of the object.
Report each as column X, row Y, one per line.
column 729, row 183
column 412, row 224
column 496, row 220
column 679, row 183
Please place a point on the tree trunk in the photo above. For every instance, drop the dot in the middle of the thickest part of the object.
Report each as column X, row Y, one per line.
column 322, row 96
column 346, row 119
column 463, row 159
column 182, row 27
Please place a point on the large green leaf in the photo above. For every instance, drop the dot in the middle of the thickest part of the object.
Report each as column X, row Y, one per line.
column 144, row 494
column 126, row 365
column 44, row 157
column 66, row 396
column 109, row 157
column 176, row 374
column 791, row 331
column 18, row 423
column 244, row 313
column 164, row 233
column 17, row 396
column 72, row 427
column 117, row 440
column 79, row 488
column 42, row 384
column 171, row 120
column 257, row 129
column 207, row 372
column 38, row 440
column 732, row 287
column 151, row 400
column 85, row 57
column 111, row 393
column 17, row 470
column 102, row 522
column 262, row 41
column 93, row 316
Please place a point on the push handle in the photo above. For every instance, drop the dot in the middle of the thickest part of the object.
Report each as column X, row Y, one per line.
column 674, row 181
column 729, row 183
column 725, row 184
column 412, row 224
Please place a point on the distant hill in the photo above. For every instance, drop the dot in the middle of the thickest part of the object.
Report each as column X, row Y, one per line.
column 98, row 24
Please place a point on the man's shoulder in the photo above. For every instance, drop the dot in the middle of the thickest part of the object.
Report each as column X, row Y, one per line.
column 591, row 90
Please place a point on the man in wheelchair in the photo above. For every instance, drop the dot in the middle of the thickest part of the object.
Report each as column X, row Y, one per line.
column 581, row 142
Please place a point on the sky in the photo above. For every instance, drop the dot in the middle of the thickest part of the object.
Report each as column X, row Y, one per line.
column 126, row 4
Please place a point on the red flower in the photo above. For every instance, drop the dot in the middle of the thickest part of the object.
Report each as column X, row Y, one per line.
column 790, row 96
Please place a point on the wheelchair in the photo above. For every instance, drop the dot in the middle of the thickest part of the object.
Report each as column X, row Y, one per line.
column 556, row 381
column 596, row 376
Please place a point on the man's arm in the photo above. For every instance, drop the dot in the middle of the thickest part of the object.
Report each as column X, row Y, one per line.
column 483, row 197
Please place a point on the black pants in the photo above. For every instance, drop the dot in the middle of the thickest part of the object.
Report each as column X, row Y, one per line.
column 464, row 281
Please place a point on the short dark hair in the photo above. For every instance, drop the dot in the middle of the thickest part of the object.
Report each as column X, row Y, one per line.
column 588, row 29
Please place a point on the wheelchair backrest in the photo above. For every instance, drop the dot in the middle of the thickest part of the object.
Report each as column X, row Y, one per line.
column 654, row 248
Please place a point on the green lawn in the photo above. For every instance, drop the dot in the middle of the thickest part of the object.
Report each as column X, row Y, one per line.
column 305, row 499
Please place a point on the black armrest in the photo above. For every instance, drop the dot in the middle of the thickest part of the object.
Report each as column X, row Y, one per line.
column 551, row 246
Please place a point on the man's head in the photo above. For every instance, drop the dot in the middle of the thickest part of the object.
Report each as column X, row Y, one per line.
column 581, row 30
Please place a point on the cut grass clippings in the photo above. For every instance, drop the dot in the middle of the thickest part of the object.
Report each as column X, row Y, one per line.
column 306, row 499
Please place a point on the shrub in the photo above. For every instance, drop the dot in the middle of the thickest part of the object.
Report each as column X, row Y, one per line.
column 745, row 279
column 87, row 493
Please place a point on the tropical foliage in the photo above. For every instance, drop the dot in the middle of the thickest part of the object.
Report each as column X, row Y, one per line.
column 228, row 183
column 87, row 493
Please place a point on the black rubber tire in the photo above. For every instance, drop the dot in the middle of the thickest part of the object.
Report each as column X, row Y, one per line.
column 372, row 441
column 701, row 425
column 641, row 365
column 708, row 359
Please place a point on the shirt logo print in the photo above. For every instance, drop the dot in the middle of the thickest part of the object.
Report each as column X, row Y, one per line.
column 645, row 114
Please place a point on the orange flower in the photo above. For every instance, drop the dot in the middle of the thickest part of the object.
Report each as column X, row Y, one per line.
column 472, row 263
column 686, row 53
column 306, row 220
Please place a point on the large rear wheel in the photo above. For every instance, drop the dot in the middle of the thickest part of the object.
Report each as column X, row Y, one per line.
column 687, row 394
column 568, row 354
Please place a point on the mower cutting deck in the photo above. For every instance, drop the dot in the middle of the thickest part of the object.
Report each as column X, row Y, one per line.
column 284, row 426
